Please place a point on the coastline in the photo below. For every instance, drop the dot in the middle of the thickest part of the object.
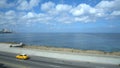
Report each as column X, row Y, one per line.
column 68, row 50
column 63, row 53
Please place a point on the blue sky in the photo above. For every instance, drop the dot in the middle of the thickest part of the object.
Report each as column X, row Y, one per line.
column 60, row 15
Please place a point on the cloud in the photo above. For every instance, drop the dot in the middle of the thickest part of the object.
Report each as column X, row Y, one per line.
column 103, row 10
column 10, row 12
column 32, row 17
column 34, row 3
column 29, row 15
column 80, row 10
column 86, row 13
column 57, row 12
column 109, row 9
column 4, row 4
column 51, row 12
column 9, row 15
column 109, row 5
column 23, row 5
column 85, row 19
column 27, row 5
column 115, row 13
column 47, row 6
column 64, row 19
column 63, row 7
column 8, row 18
column 19, row 4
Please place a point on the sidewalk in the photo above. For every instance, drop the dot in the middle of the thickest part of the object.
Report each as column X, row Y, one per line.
column 65, row 56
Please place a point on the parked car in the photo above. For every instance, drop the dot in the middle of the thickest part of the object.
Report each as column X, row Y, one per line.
column 17, row 45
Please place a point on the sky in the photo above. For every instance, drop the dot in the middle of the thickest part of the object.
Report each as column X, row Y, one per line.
column 60, row 16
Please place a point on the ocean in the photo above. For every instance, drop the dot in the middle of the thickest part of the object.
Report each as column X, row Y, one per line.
column 107, row 42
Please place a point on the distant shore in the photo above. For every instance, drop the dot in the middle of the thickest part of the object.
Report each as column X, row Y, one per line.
column 69, row 50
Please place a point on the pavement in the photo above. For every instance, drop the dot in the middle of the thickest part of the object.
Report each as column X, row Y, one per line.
column 8, row 60
column 113, row 60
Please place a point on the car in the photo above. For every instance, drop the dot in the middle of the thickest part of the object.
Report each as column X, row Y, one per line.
column 17, row 45
column 22, row 56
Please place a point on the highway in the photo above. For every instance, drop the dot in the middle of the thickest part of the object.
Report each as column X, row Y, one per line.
column 8, row 60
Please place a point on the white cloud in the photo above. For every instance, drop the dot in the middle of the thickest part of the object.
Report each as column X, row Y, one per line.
column 60, row 13
column 64, row 13
column 9, row 15
column 64, row 19
column 32, row 17
column 86, row 10
column 102, row 10
column 29, row 15
column 55, row 9
column 10, row 12
column 25, row 5
column 80, row 9
column 34, row 3
column 4, row 4
column 105, row 4
column 85, row 19
column 115, row 13
column 47, row 6
column 19, row 4
column 109, row 6
column 63, row 7
column 8, row 18
column 85, row 13
column 108, row 9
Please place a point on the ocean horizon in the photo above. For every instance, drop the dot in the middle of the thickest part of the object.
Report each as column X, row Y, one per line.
column 108, row 42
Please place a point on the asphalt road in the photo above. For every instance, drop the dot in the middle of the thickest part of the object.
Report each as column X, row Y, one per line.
column 8, row 60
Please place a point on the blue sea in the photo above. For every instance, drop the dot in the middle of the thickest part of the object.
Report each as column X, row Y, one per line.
column 107, row 42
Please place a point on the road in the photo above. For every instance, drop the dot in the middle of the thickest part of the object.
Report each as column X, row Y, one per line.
column 8, row 60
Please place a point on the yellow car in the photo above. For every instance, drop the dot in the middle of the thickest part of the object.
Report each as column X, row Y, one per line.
column 22, row 56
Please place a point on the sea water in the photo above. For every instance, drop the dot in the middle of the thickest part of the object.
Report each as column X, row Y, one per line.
column 108, row 42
